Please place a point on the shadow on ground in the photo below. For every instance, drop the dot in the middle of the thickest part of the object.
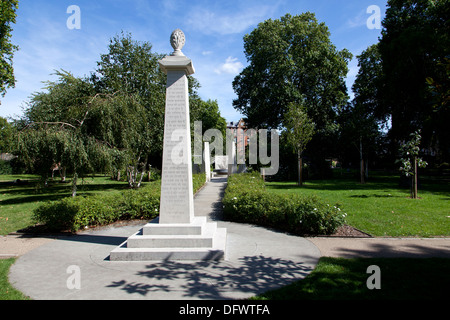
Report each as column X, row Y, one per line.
column 213, row 279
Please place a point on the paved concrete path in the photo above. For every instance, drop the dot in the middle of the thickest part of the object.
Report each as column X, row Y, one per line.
column 257, row 260
column 383, row 247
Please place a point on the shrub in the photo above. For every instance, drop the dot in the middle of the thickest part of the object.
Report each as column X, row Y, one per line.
column 58, row 215
column 73, row 214
column 198, row 180
column 5, row 167
column 142, row 203
column 246, row 200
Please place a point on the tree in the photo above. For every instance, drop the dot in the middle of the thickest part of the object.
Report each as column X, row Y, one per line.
column 53, row 130
column 208, row 113
column 86, row 132
column 299, row 131
column 123, row 124
column 368, row 84
column 292, row 60
column 358, row 132
column 109, row 122
column 6, row 134
column 131, row 68
column 410, row 160
column 415, row 39
column 7, row 17
column 360, row 120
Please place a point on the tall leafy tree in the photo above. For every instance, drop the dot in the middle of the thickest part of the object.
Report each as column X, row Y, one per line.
column 368, row 85
column 7, row 17
column 208, row 113
column 6, row 135
column 415, row 39
column 361, row 119
column 131, row 67
column 292, row 60
column 122, row 123
column 111, row 121
column 53, row 130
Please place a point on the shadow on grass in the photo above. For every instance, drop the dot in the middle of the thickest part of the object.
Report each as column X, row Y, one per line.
column 26, row 193
column 364, row 196
column 338, row 184
column 346, row 279
column 435, row 186
column 391, row 248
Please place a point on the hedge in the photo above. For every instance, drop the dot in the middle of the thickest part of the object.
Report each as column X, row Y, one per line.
column 75, row 213
column 246, row 200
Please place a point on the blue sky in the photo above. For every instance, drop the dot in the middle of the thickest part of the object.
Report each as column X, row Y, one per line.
column 214, row 37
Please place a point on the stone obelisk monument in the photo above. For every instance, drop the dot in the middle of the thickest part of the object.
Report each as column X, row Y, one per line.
column 177, row 234
column 177, row 202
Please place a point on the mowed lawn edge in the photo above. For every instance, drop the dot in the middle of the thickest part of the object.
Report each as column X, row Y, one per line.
column 381, row 207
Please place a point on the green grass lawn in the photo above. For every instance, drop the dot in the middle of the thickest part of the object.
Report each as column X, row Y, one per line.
column 343, row 279
column 17, row 201
column 7, row 292
column 381, row 207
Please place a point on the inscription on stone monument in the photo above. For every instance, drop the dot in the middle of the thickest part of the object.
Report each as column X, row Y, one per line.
column 176, row 181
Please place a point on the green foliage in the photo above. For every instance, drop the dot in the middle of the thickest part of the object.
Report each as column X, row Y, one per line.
column 367, row 85
column 111, row 122
column 7, row 17
column 5, row 167
column 291, row 59
column 299, row 127
column 142, row 203
column 198, row 180
column 75, row 213
column 6, row 135
column 246, row 200
column 299, row 132
column 409, row 151
column 414, row 41
column 59, row 215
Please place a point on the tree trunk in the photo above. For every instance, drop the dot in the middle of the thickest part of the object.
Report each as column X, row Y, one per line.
column 300, row 165
column 415, row 178
column 366, row 172
column 63, row 174
column 142, row 175
column 361, row 162
column 74, row 184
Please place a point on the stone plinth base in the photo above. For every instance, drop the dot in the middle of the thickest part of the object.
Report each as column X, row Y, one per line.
column 199, row 240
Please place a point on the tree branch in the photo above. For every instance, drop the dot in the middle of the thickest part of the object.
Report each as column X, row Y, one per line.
column 47, row 122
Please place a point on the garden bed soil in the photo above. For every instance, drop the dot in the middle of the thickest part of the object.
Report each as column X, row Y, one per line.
column 350, row 232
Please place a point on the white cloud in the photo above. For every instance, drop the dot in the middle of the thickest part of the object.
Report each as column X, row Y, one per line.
column 206, row 53
column 358, row 21
column 231, row 66
column 210, row 22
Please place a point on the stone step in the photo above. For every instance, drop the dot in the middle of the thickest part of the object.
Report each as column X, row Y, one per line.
column 205, row 239
column 194, row 228
column 215, row 252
